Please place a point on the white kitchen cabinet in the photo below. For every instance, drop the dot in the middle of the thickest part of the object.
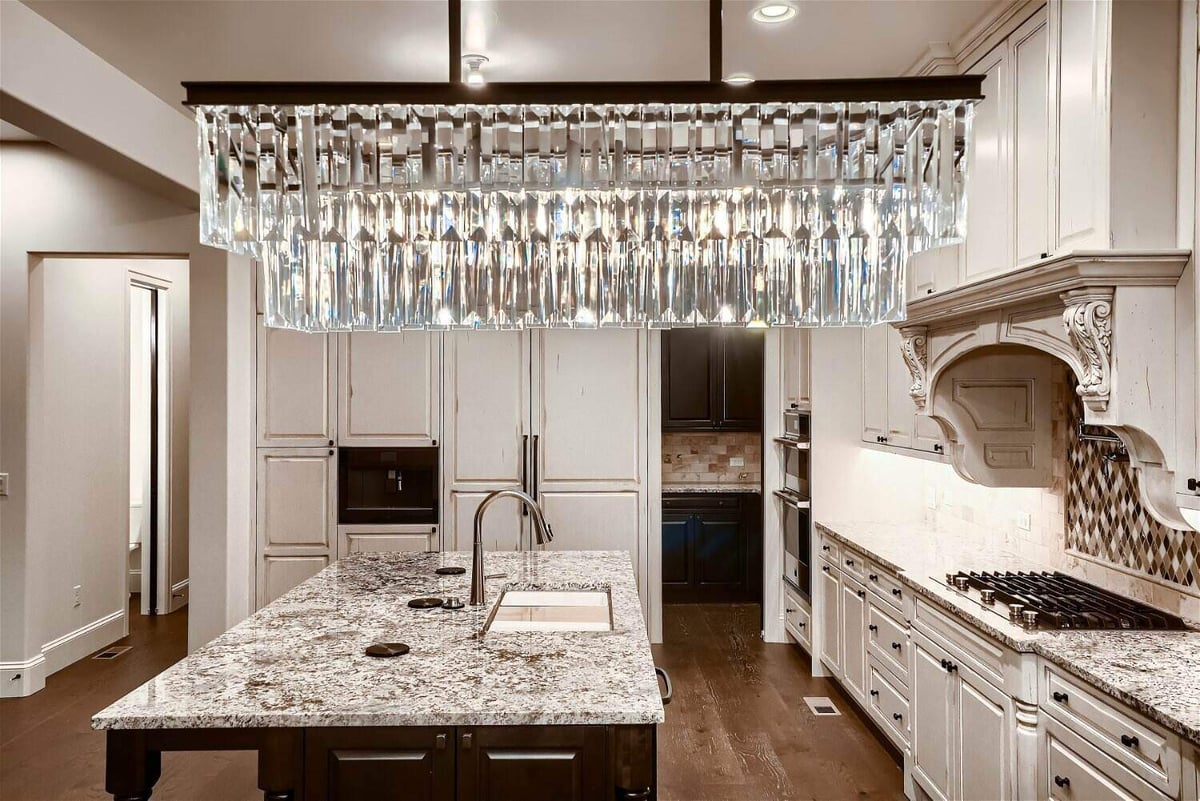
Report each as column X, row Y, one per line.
column 962, row 728
column 561, row 414
column 830, row 582
column 389, row 539
column 389, row 388
column 796, row 370
column 294, row 517
column 889, row 415
column 296, row 376
column 797, row 618
column 1029, row 63
column 853, row 637
column 988, row 247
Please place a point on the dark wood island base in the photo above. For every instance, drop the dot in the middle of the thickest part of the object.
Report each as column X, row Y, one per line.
column 430, row 763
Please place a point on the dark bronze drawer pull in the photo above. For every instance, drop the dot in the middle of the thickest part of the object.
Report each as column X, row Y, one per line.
column 1060, row 697
column 896, row 645
column 1062, row 781
column 1129, row 741
column 872, row 627
column 874, row 693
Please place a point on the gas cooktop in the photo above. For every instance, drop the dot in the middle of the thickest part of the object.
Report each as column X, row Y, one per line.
column 1057, row 601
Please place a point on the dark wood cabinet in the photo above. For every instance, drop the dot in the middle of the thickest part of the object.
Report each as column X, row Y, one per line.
column 533, row 763
column 712, row 379
column 712, row 548
column 405, row 764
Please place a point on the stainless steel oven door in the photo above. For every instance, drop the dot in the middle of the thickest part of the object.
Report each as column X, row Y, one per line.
column 796, row 545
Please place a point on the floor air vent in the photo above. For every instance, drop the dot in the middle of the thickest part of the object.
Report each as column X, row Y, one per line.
column 820, row 705
column 112, row 653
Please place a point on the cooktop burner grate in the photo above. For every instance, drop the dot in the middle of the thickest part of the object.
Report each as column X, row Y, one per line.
column 1060, row 601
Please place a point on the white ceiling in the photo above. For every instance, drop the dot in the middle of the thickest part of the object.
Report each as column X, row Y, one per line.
column 160, row 44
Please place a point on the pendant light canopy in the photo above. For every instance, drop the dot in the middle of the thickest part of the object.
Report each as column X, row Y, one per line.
column 407, row 206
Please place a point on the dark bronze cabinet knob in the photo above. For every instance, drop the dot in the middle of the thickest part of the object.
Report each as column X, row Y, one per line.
column 1059, row 697
column 872, row 627
column 1062, row 781
column 1129, row 741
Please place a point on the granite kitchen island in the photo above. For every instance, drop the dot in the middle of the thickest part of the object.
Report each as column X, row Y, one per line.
column 463, row 715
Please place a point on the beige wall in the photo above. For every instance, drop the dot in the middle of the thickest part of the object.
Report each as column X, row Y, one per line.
column 53, row 203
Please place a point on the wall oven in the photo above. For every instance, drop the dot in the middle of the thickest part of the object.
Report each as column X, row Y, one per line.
column 387, row 485
column 797, row 547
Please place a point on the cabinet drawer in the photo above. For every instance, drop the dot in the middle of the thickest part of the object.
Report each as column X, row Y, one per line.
column 1146, row 749
column 884, row 634
column 982, row 654
column 797, row 619
column 887, row 703
column 1077, row 772
column 828, row 549
column 885, row 585
column 700, row 501
column 853, row 563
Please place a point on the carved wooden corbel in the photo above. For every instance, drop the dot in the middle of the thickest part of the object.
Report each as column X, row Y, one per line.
column 1088, row 320
column 913, row 341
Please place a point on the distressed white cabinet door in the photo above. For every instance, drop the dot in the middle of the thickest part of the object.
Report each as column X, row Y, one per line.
column 831, row 618
column 353, row 539
column 486, row 443
column 1030, row 55
column 875, row 383
column 796, row 370
column 589, row 427
column 854, row 640
column 932, row 748
column 294, row 517
column 983, row 738
column 390, row 387
column 297, row 385
column 989, row 221
column 901, row 412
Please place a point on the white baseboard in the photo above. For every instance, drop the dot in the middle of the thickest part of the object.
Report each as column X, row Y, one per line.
column 18, row 679
column 75, row 645
column 179, row 595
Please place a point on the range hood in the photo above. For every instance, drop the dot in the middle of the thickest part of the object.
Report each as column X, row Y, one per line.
column 1110, row 316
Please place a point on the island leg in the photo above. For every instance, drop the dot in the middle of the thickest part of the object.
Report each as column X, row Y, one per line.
column 131, row 767
column 280, row 762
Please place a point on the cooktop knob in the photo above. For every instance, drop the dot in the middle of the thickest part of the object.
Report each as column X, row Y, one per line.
column 987, row 596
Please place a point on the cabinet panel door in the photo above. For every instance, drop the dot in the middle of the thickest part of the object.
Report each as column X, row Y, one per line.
column 831, row 618
column 983, row 739
column 689, row 370
column 989, row 245
column 741, row 385
column 390, row 388
column 297, row 388
column 931, row 707
column 676, row 552
column 1031, row 139
column 349, row 764
column 589, row 408
column 487, row 407
column 720, row 553
column 503, row 524
column 392, row 542
column 294, row 518
column 533, row 763
column 875, row 382
column 901, row 412
column 854, row 641
column 594, row 521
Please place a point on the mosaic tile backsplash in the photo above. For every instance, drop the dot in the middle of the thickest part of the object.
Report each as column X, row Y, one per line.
column 1105, row 519
column 704, row 457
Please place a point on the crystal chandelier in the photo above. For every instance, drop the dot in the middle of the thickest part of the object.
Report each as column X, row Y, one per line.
column 388, row 207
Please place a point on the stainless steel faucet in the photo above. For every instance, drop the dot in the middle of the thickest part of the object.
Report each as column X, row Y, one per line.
column 540, row 527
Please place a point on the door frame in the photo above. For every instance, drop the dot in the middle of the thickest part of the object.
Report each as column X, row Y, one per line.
column 156, row 594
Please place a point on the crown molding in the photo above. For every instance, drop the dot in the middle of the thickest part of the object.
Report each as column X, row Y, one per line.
column 942, row 58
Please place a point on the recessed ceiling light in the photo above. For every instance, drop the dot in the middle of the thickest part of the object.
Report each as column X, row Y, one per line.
column 739, row 79
column 474, row 75
column 774, row 12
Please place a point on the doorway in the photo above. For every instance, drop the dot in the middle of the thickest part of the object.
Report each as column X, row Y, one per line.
column 149, row 447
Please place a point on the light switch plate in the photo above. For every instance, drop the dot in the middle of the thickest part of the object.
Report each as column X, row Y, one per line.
column 3, row 483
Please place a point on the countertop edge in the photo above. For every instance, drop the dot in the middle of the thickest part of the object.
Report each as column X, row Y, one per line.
column 922, row 586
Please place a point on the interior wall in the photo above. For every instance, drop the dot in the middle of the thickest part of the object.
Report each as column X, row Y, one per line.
column 54, row 203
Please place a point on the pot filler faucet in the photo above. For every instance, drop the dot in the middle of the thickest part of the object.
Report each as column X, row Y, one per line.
column 540, row 526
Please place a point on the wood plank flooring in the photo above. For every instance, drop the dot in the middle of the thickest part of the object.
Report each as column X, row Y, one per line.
column 738, row 729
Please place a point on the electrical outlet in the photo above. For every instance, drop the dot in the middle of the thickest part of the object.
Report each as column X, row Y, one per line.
column 1024, row 521
column 76, row 595
column 737, row 461
column 3, row 484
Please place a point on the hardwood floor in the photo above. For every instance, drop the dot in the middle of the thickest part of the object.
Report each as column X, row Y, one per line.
column 737, row 730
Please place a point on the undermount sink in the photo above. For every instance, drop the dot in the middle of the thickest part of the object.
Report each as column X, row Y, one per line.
column 552, row 610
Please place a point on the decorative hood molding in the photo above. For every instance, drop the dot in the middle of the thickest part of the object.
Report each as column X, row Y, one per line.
column 1109, row 315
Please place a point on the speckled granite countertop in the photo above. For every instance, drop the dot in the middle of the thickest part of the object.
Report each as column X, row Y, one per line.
column 674, row 489
column 300, row 661
column 1155, row 672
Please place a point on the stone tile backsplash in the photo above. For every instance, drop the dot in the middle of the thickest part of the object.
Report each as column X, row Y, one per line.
column 707, row 457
